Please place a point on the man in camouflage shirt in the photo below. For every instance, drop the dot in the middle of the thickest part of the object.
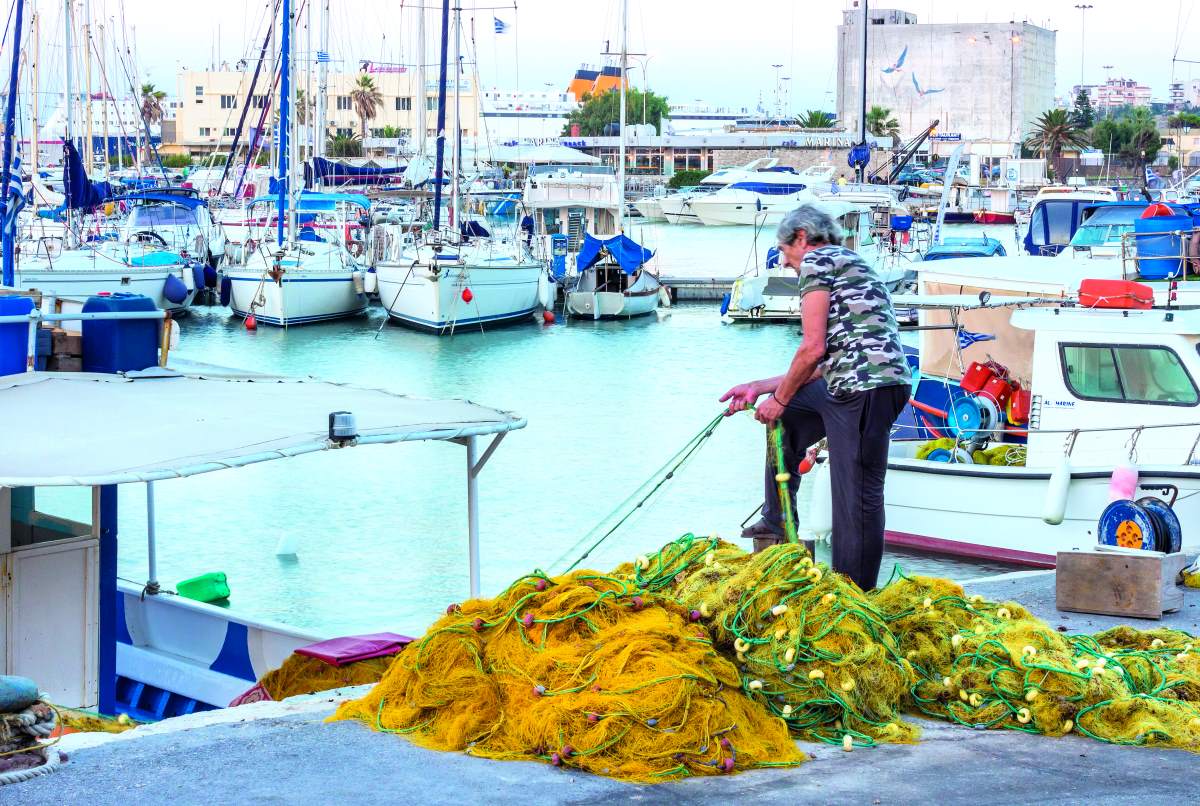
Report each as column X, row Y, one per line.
column 847, row 382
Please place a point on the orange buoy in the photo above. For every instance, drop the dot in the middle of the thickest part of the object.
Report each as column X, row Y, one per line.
column 251, row 322
column 548, row 317
column 467, row 295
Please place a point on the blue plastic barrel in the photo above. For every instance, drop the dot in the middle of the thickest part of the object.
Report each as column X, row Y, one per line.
column 902, row 223
column 119, row 345
column 14, row 338
column 1158, row 248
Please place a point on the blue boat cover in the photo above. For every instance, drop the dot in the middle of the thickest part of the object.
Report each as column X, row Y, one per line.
column 319, row 202
column 190, row 202
column 323, row 171
column 81, row 193
column 629, row 254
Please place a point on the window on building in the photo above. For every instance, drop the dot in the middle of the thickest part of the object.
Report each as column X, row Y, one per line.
column 403, row 104
column 228, row 131
column 199, row 90
column 345, row 132
column 229, row 102
column 205, row 131
column 430, row 103
column 431, row 133
column 1127, row 374
column 343, row 103
column 689, row 159
column 259, row 102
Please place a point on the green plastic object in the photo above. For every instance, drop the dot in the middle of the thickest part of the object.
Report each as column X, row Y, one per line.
column 210, row 587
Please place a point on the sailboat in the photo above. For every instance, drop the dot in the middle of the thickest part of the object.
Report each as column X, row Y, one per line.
column 298, row 276
column 612, row 279
column 461, row 275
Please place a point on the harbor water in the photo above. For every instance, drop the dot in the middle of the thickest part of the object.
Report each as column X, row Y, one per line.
column 380, row 531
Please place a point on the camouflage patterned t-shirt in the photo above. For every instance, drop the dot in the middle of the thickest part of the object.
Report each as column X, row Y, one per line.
column 862, row 344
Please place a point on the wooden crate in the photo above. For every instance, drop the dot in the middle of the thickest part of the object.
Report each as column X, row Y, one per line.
column 1142, row 584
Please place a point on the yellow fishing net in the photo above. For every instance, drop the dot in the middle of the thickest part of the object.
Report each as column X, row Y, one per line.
column 585, row 671
column 301, row 674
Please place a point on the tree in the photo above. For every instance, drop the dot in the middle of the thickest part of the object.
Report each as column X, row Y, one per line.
column 341, row 145
column 1133, row 137
column 367, row 99
column 880, row 123
column 1082, row 113
column 597, row 111
column 152, row 110
column 816, row 119
column 1054, row 131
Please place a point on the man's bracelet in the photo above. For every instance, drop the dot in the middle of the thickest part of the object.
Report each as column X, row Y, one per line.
column 777, row 400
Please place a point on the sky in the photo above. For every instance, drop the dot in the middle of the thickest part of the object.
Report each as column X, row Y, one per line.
column 717, row 51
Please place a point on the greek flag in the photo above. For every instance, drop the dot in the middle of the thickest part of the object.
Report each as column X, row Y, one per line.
column 966, row 338
column 323, row 57
column 15, row 198
column 501, row 25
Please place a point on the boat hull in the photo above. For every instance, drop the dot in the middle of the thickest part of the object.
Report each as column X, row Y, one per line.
column 82, row 283
column 744, row 208
column 640, row 299
column 434, row 301
column 995, row 513
column 301, row 296
column 990, row 217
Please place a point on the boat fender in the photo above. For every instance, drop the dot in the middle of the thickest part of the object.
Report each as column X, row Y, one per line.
column 357, row 278
column 725, row 300
column 1124, row 482
column 820, row 507
column 189, row 278
column 371, row 282
column 175, row 290
column 198, row 279
column 226, row 292
column 1054, row 508
column 210, row 277
column 664, row 297
column 286, row 546
column 546, row 291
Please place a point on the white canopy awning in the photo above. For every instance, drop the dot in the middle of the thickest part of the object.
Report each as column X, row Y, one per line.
column 92, row 429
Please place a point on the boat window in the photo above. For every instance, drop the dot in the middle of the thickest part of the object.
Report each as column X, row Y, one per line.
column 46, row 514
column 1060, row 219
column 161, row 215
column 1127, row 374
column 1106, row 226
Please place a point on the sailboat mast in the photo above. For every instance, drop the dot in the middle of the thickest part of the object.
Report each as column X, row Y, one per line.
column 285, row 100
column 323, row 81
column 862, row 119
column 10, row 115
column 621, row 124
column 293, row 142
column 420, row 112
column 441, row 120
column 456, row 162
column 33, row 92
column 69, row 85
column 104, row 95
column 87, row 72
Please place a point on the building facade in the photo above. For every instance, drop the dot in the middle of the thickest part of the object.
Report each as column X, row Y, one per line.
column 987, row 82
column 1116, row 93
column 210, row 104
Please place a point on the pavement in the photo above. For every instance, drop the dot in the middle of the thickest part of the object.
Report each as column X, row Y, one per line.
column 285, row 753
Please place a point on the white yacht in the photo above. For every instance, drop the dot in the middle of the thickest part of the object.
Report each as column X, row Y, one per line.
column 676, row 207
column 763, row 198
column 308, row 276
column 179, row 220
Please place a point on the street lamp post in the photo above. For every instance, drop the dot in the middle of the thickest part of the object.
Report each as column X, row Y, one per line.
column 778, row 110
column 644, row 63
column 1083, row 10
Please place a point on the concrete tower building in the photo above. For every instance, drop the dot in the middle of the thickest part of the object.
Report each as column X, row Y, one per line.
column 987, row 82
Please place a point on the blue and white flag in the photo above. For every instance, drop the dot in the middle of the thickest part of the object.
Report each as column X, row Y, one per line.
column 14, row 197
column 323, row 57
column 1153, row 180
column 966, row 338
column 501, row 25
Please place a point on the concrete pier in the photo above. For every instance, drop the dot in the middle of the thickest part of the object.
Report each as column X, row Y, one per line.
column 697, row 289
column 284, row 752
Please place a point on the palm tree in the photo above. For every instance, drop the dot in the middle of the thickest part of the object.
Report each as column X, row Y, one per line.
column 1055, row 130
column 367, row 99
column 880, row 123
column 815, row 119
column 152, row 110
column 341, row 145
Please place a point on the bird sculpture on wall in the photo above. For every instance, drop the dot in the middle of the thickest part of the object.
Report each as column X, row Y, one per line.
column 922, row 93
column 899, row 62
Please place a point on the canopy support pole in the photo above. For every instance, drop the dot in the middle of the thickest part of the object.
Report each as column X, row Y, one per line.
column 152, row 586
column 473, row 468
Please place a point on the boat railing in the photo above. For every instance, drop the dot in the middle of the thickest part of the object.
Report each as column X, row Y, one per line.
column 1164, row 254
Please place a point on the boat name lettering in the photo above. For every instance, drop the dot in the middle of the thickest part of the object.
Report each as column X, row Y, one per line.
column 1065, row 404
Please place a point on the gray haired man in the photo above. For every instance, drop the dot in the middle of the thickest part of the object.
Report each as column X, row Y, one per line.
column 847, row 381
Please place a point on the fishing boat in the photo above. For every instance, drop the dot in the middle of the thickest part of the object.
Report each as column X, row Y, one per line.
column 770, row 291
column 1061, row 397
column 994, row 217
column 290, row 273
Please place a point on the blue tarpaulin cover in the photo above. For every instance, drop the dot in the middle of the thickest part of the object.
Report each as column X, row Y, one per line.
column 629, row 254
column 81, row 193
column 323, row 171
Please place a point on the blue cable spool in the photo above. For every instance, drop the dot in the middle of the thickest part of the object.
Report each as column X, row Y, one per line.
column 972, row 417
column 1169, row 531
column 1128, row 524
column 940, row 455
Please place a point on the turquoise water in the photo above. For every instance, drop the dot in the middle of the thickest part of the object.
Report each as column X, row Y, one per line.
column 381, row 530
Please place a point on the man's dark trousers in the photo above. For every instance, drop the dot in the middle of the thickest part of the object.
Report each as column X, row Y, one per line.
column 858, row 426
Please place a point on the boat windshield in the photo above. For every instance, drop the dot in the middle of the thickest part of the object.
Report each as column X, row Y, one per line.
column 539, row 170
column 1106, row 226
column 161, row 215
